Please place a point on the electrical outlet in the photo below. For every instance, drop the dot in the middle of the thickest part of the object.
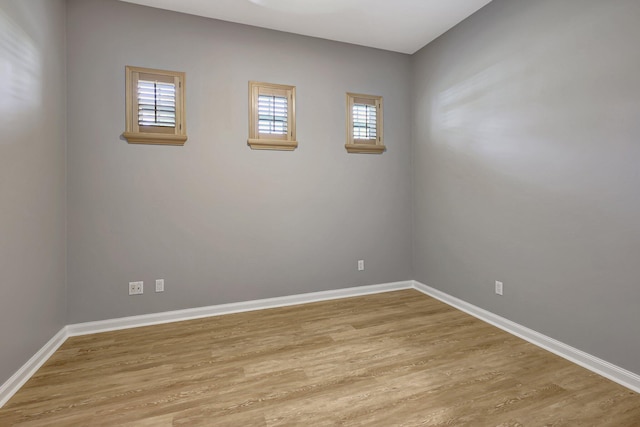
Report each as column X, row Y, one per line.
column 499, row 287
column 159, row 285
column 361, row 265
column 136, row 288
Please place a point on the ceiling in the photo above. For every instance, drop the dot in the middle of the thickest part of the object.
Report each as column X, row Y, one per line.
column 397, row 25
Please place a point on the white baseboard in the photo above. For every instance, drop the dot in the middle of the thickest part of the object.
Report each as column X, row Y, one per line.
column 579, row 357
column 599, row 366
column 17, row 380
column 13, row 384
column 236, row 307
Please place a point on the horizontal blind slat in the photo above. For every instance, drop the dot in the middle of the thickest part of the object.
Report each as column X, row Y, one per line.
column 273, row 114
column 365, row 121
column 156, row 104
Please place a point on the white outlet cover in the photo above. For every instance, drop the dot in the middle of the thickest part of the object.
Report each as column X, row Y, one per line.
column 160, row 285
column 136, row 288
column 499, row 287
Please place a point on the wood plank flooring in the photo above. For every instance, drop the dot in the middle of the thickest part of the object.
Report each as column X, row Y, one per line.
column 392, row 359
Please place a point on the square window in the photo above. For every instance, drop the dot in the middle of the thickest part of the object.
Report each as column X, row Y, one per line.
column 155, row 106
column 364, row 124
column 272, row 117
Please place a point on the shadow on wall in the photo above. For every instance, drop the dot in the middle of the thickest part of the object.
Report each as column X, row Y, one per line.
column 529, row 168
column 20, row 77
column 536, row 115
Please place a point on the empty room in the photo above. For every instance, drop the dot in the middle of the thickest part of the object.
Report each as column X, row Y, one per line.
column 319, row 213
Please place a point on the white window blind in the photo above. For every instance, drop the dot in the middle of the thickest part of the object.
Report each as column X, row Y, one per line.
column 273, row 114
column 156, row 103
column 364, row 121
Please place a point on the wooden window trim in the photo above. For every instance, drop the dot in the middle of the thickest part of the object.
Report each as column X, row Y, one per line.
column 258, row 141
column 136, row 134
column 365, row 146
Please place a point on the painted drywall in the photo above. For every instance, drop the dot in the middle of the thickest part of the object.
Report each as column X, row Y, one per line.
column 526, row 125
column 32, row 178
column 219, row 222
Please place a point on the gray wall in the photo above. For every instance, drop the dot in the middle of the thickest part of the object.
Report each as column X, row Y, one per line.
column 526, row 124
column 32, row 178
column 218, row 221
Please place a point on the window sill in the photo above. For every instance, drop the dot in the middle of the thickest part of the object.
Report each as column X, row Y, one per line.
column 365, row 148
column 272, row 144
column 154, row 138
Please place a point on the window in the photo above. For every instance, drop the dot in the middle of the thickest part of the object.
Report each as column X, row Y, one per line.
column 155, row 107
column 272, row 117
column 364, row 124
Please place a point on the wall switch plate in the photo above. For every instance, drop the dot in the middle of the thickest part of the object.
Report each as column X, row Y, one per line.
column 136, row 288
column 160, row 285
column 499, row 287
column 361, row 265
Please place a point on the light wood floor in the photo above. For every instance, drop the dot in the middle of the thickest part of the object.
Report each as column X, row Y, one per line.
column 391, row 359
